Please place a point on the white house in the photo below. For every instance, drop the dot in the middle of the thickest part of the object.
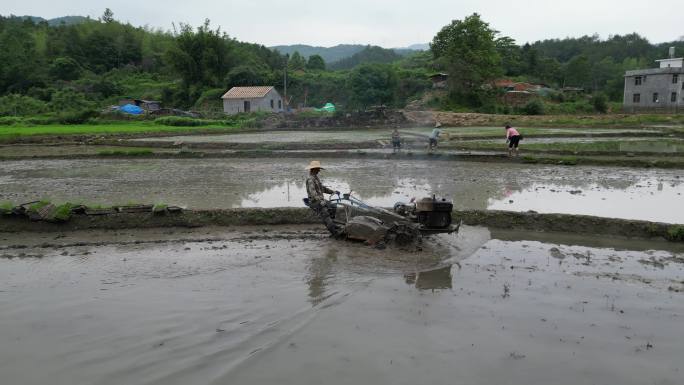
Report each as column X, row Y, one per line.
column 252, row 99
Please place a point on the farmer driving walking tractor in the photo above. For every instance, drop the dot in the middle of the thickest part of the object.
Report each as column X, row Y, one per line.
column 316, row 200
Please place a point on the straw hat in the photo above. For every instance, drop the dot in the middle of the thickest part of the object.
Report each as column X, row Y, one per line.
column 314, row 164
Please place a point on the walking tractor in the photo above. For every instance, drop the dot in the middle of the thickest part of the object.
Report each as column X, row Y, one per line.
column 407, row 223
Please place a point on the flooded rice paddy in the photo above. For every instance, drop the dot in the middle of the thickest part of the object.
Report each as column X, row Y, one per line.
column 224, row 183
column 349, row 136
column 288, row 305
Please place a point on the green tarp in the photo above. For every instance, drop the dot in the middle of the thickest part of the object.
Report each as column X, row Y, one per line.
column 329, row 107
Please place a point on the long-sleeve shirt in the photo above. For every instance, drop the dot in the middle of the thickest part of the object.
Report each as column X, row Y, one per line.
column 315, row 189
column 511, row 132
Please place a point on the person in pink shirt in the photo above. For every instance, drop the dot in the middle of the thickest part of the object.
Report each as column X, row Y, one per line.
column 513, row 138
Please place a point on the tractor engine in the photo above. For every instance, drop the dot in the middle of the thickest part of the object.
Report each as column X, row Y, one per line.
column 434, row 213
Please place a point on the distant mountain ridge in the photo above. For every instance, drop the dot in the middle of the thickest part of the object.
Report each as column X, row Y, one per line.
column 66, row 20
column 329, row 54
column 340, row 51
column 370, row 54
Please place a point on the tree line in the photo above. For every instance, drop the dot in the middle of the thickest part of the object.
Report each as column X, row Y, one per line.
column 92, row 64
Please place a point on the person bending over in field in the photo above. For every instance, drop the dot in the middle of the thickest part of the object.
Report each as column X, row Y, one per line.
column 513, row 138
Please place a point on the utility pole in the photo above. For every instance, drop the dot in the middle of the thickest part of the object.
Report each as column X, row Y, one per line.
column 287, row 58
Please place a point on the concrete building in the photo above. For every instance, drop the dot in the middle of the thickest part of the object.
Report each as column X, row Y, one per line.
column 252, row 99
column 656, row 89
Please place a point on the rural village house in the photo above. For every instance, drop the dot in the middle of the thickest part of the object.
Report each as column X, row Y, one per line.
column 656, row 89
column 252, row 99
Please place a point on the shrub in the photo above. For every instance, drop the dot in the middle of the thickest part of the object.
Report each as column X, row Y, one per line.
column 675, row 233
column 571, row 107
column 68, row 100
column 76, row 116
column 19, row 105
column 65, row 68
column 180, row 121
column 533, row 107
column 40, row 120
column 9, row 120
column 600, row 103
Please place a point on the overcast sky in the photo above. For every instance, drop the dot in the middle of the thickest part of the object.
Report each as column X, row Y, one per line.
column 388, row 23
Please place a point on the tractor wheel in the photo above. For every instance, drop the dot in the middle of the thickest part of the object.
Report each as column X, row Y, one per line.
column 404, row 235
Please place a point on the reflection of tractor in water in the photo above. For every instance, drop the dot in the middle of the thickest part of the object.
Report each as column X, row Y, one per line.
column 404, row 225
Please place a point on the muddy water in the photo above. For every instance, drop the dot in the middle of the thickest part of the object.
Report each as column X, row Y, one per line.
column 65, row 150
column 288, row 305
column 223, row 183
column 346, row 136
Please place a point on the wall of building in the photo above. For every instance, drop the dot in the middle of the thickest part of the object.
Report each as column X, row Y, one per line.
column 236, row 106
column 653, row 81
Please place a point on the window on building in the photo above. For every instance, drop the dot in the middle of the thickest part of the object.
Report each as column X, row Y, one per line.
column 271, row 103
column 280, row 104
column 655, row 98
column 675, row 78
column 636, row 98
column 637, row 80
column 673, row 97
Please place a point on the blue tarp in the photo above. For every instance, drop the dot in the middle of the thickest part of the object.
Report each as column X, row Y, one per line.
column 131, row 109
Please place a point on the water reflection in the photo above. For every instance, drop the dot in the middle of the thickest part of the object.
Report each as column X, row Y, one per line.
column 647, row 199
column 212, row 183
column 319, row 272
column 431, row 279
column 290, row 194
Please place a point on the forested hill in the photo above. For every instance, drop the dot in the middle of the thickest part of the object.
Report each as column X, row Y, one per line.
column 91, row 64
column 64, row 20
column 329, row 54
column 341, row 51
column 370, row 54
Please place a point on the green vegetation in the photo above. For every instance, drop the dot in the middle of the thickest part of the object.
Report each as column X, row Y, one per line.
column 134, row 152
column 68, row 73
column 369, row 55
column 467, row 50
column 177, row 121
column 675, row 233
column 11, row 132
column 159, row 208
column 38, row 205
column 372, row 84
column 534, row 107
column 6, row 208
column 63, row 212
